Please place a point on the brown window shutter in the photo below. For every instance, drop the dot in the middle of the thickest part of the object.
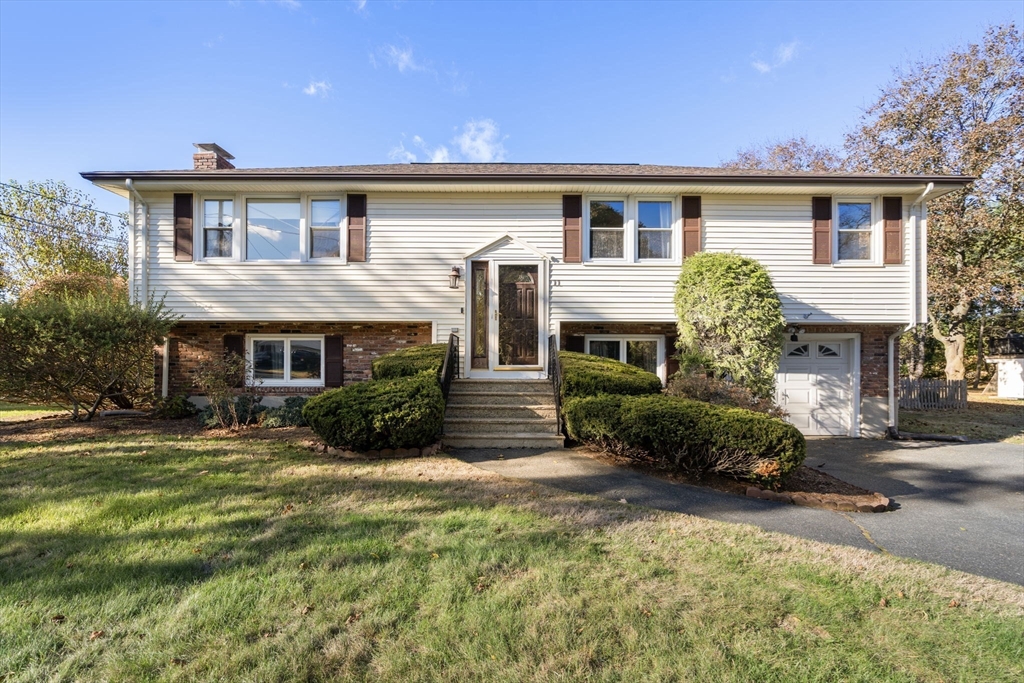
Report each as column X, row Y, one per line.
column 235, row 343
column 574, row 342
column 357, row 227
column 183, row 227
column 691, row 226
column 572, row 228
column 333, row 366
column 821, row 219
column 892, row 219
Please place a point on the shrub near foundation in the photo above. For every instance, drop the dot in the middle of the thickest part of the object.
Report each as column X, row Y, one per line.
column 409, row 362
column 586, row 375
column 406, row 412
column 689, row 436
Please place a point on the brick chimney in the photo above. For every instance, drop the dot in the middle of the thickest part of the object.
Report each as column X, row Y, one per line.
column 210, row 157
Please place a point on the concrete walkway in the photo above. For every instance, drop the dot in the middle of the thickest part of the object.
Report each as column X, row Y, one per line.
column 960, row 505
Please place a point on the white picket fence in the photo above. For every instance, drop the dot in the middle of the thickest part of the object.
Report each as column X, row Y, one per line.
column 933, row 394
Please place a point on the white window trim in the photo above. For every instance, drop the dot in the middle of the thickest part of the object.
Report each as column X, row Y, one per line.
column 240, row 224
column 660, row 338
column 631, row 230
column 342, row 229
column 287, row 382
column 876, row 233
column 675, row 229
column 626, row 224
column 200, row 210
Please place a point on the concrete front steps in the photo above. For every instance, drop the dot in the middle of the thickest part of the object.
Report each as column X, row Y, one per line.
column 499, row 413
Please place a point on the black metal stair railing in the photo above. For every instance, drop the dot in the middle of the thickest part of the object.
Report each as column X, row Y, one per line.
column 450, row 367
column 555, row 372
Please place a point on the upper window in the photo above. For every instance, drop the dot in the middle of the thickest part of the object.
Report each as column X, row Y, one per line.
column 607, row 229
column 218, row 224
column 325, row 221
column 632, row 229
column 287, row 360
column 654, row 230
column 272, row 229
column 854, row 229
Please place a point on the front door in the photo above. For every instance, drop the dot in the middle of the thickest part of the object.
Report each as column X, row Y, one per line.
column 504, row 320
column 518, row 341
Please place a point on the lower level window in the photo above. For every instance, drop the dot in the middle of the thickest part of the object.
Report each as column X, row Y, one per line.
column 287, row 360
column 646, row 352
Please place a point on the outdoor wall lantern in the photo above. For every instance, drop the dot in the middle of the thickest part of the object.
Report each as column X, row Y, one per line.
column 793, row 332
column 453, row 277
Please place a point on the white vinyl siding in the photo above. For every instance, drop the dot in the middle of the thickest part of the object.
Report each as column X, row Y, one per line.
column 415, row 238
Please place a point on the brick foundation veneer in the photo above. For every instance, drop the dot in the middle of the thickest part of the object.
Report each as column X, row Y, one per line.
column 579, row 329
column 874, row 345
column 191, row 342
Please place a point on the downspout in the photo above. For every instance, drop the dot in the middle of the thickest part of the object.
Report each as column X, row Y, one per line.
column 144, row 264
column 144, row 282
column 923, row 301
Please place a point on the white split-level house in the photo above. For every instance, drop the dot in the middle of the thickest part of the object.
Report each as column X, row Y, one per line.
column 312, row 272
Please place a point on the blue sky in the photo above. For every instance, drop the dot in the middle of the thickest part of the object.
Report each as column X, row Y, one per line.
column 119, row 86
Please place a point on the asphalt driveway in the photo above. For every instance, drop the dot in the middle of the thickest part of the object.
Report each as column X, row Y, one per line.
column 960, row 505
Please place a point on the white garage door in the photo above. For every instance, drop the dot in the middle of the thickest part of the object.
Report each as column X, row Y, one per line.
column 815, row 386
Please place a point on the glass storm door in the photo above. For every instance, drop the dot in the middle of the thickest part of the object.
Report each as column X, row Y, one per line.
column 518, row 338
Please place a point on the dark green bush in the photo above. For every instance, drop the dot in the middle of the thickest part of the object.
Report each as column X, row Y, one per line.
column 687, row 435
column 288, row 415
column 410, row 361
column 586, row 375
column 406, row 412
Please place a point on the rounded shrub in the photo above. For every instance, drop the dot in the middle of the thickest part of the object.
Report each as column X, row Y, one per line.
column 688, row 435
column 586, row 375
column 409, row 362
column 730, row 319
column 406, row 412
column 287, row 415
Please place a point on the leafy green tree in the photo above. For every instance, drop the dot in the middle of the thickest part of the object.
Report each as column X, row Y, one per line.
column 730, row 320
column 49, row 229
column 80, row 350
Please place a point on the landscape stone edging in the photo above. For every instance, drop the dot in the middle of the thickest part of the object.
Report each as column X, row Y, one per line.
column 813, row 501
column 387, row 453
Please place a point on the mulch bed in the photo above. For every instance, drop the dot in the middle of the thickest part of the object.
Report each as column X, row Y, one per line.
column 805, row 486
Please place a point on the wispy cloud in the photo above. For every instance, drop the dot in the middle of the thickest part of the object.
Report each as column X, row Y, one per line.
column 289, row 4
column 401, row 58
column 315, row 88
column 359, row 6
column 481, row 141
column 478, row 141
column 783, row 55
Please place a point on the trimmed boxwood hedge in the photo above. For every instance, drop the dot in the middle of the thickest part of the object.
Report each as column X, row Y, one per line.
column 406, row 412
column 689, row 435
column 410, row 361
column 586, row 375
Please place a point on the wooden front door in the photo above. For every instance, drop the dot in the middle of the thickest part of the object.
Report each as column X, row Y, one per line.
column 518, row 336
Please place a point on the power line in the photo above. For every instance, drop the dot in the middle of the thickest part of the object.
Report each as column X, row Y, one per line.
column 18, row 188
column 63, row 230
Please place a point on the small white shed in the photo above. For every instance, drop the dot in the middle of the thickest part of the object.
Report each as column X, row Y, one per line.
column 1008, row 355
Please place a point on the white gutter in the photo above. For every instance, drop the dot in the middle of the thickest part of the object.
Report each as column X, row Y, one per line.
column 893, row 374
column 922, row 302
column 165, row 377
column 144, row 264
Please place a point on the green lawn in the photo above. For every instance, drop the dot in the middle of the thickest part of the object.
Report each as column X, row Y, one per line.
column 191, row 557
column 16, row 412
